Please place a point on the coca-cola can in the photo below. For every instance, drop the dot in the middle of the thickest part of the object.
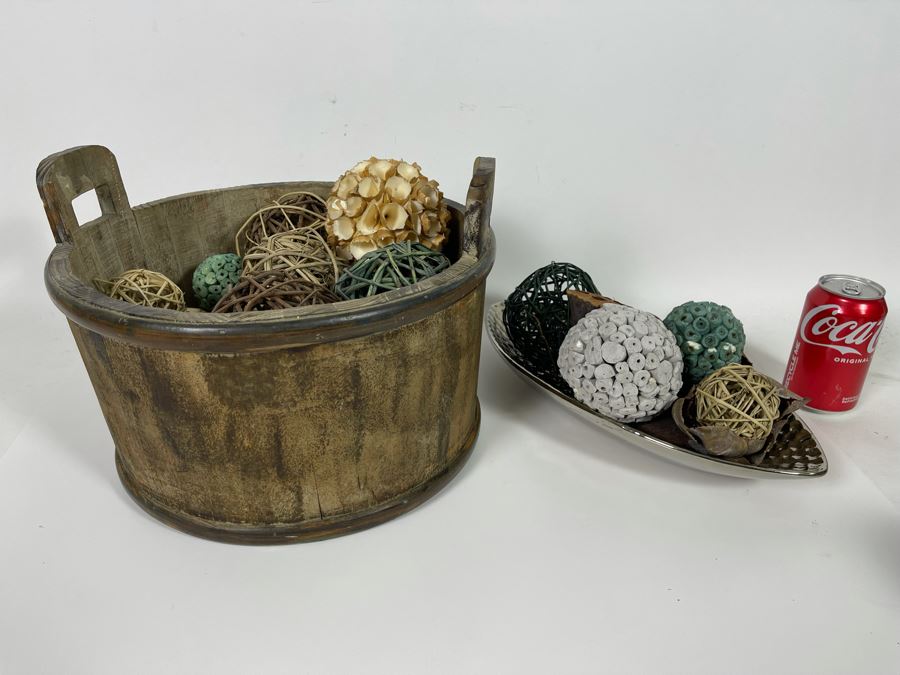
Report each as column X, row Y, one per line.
column 839, row 329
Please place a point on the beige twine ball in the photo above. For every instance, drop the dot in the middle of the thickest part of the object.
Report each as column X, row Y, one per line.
column 738, row 398
column 302, row 253
column 143, row 287
column 291, row 211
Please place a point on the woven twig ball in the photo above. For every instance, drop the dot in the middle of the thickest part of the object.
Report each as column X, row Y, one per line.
column 276, row 289
column 302, row 253
column 290, row 211
column 622, row 362
column 394, row 266
column 143, row 287
column 709, row 335
column 214, row 277
column 382, row 201
column 740, row 399
column 536, row 314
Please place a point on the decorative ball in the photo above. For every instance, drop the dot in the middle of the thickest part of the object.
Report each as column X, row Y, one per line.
column 144, row 287
column 394, row 266
column 536, row 314
column 622, row 362
column 275, row 289
column 709, row 337
column 303, row 253
column 290, row 211
column 214, row 277
column 738, row 398
column 382, row 201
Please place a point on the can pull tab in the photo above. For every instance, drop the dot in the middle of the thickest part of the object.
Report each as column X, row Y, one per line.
column 851, row 288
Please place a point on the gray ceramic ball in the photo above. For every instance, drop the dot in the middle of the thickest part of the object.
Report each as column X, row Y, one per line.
column 622, row 362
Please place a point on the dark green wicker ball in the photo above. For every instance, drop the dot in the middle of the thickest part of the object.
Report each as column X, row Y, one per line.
column 536, row 315
column 384, row 269
column 709, row 336
column 214, row 277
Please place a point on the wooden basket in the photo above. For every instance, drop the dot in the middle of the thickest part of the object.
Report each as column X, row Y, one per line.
column 267, row 427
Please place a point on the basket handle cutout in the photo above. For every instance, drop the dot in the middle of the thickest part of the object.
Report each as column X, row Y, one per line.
column 65, row 175
column 479, row 201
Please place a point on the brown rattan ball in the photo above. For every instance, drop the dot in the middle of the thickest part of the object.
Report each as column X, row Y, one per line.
column 143, row 287
column 275, row 289
column 301, row 253
column 740, row 399
column 290, row 211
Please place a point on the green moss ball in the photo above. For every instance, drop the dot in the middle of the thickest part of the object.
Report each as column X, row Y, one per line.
column 709, row 337
column 214, row 277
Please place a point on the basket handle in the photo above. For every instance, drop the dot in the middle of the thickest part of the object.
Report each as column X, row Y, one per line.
column 63, row 176
column 479, row 200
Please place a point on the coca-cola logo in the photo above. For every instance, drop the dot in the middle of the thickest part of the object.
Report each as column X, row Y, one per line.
column 822, row 326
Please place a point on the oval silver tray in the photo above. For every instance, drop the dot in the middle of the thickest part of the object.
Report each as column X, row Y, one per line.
column 796, row 453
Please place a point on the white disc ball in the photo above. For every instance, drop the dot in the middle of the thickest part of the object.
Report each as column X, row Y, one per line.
column 622, row 362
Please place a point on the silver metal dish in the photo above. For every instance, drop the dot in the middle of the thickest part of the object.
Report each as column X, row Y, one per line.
column 796, row 453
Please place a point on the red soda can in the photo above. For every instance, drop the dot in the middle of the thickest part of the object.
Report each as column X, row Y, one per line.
column 839, row 328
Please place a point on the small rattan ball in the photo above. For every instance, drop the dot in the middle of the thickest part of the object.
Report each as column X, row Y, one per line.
column 394, row 266
column 214, row 277
column 536, row 315
column 302, row 253
column 622, row 362
column 275, row 289
column 289, row 212
column 709, row 335
column 143, row 287
column 740, row 399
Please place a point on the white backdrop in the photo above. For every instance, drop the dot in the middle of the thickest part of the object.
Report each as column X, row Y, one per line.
column 731, row 151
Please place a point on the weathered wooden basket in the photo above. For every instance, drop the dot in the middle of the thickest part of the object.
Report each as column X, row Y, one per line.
column 267, row 427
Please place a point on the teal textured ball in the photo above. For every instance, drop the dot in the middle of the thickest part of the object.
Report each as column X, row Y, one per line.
column 214, row 277
column 709, row 337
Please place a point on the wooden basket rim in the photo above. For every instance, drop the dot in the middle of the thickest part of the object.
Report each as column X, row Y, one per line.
column 201, row 331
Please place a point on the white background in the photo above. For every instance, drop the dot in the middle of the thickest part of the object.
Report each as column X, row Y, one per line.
column 731, row 151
